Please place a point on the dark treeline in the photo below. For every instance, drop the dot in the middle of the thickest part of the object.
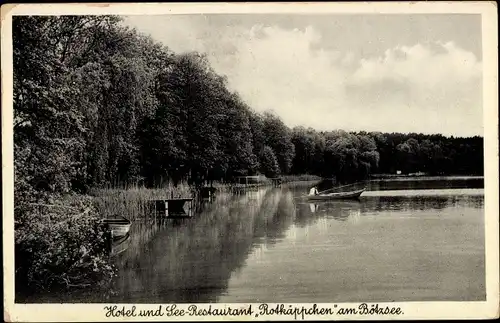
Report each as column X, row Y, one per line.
column 97, row 104
column 350, row 156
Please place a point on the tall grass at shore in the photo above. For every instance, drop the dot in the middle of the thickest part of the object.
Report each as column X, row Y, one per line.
column 300, row 178
column 134, row 202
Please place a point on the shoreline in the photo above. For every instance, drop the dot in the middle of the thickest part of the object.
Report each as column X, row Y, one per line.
column 424, row 177
column 132, row 203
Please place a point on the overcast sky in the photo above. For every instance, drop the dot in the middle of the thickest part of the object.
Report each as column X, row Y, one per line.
column 402, row 73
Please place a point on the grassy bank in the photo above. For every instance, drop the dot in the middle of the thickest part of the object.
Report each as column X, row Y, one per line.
column 300, row 178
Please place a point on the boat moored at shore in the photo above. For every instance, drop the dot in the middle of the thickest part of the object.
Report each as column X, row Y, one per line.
column 118, row 225
column 336, row 196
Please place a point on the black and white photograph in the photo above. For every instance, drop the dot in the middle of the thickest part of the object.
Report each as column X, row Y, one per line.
column 330, row 160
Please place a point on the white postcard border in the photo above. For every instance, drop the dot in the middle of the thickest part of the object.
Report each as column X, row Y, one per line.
column 411, row 310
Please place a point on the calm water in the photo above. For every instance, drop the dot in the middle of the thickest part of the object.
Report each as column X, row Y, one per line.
column 403, row 240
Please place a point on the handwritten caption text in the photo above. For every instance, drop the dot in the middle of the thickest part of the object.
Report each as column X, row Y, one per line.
column 266, row 310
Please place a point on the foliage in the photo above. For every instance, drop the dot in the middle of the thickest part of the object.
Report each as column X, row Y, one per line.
column 269, row 165
column 60, row 245
column 278, row 137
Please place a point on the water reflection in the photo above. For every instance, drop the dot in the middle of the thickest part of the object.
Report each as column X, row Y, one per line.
column 192, row 260
column 350, row 250
column 120, row 245
column 230, row 238
column 308, row 212
column 405, row 203
column 424, row 183
column 341, row 210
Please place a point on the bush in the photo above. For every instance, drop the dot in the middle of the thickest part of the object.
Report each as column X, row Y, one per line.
column 60, row 244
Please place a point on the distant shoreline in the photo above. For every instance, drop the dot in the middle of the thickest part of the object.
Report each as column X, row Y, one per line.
column 423, row 177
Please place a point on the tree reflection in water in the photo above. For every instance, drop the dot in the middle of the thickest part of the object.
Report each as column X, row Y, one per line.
column 339, row 210
column 193, row 260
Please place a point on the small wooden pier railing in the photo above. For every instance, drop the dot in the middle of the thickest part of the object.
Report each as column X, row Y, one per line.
column 173, row 207
column 207, row 192
column 276, row 181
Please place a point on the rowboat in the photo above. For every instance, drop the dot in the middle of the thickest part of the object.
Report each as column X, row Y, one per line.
column 119, row 245
column 336, row 196
column 118, row 225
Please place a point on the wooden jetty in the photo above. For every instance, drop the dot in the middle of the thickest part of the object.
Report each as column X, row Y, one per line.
column 277, row 181
column 249, row 181
column 208, row 192
column 173, row 207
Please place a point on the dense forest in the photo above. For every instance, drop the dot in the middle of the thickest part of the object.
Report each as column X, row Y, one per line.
column 98, row 105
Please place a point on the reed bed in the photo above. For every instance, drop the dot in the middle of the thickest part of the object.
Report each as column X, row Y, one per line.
column 134, row 202
column 300, row 178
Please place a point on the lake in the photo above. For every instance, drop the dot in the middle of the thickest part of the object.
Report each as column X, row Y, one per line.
column 404, row 240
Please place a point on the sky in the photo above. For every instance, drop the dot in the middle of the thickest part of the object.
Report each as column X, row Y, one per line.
column 391, row 73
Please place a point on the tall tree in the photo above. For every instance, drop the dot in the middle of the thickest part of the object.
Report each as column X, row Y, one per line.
column 278, row 137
